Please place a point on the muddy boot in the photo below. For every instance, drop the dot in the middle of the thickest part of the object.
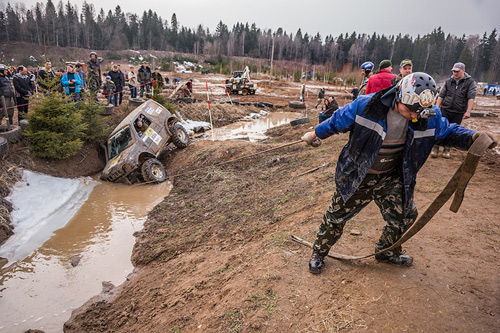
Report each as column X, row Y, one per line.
column 398, row 259
column 446, row 152
column 316, row 263
column 435, row 152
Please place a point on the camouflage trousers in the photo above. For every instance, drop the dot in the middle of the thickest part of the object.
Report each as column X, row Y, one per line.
column 387, row 192
column 93, row 85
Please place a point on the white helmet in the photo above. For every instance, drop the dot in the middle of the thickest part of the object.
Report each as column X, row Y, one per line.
column 417, row 91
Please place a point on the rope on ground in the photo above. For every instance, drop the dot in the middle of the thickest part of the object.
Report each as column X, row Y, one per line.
column 457, row 185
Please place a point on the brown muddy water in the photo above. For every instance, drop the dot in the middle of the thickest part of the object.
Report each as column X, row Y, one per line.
column 254, row 129
column 40, row 291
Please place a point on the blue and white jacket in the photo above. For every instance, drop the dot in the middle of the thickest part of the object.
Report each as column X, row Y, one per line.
column 366, row 120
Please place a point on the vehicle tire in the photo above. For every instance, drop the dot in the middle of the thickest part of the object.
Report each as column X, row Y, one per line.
column 477, row 114
column 180, row 137
column 107, row 110
column 4, row 146
column 300, row 121
column 297, row 105
column 23, row 124
column 13, row 135
column 153, row 171
column 269, row 105
column 135, row 102
column 244, row 91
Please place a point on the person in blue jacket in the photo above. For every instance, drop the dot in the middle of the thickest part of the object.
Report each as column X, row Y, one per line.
column 71, row 82
column 392, row 133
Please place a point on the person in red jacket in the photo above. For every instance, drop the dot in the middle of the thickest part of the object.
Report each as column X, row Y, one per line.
column 382, row 79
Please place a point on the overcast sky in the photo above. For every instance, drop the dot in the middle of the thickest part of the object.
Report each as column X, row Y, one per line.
column 326, row 17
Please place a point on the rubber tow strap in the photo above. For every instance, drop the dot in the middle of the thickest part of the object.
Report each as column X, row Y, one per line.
column 457, row 185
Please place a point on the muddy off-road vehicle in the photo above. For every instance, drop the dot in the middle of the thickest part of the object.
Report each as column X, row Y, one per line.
column 133, row 147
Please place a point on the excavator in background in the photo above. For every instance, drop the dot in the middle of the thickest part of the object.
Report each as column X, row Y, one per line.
column 240, row 81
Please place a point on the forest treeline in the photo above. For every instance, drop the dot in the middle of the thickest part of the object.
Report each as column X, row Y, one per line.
column 64, row 24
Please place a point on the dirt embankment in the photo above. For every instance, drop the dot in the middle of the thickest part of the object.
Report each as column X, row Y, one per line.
column 216, row 254
column 89, row 160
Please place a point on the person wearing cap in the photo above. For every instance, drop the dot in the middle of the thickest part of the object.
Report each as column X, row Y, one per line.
column 382, row 79
column 109, row 89
column 157, row 78
column 405, row 68
column 456, row 99
column 391, row 135
column 94, row 79
column 144, row 78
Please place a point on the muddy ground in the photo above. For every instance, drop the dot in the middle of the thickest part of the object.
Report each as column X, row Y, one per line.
column 216, row 254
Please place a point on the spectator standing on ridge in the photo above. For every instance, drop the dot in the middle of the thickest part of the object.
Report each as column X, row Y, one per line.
column 382, row 79
column 366, row 72
column 81, row 73
column 45, row 77
column 405, row 68
column 94, row 74
column 120, row 94
column 24, row 90
column 157, row 78
column 132, row 82
column 116, row 77
column 302, row 92
column 321, row 97
column 108, row 89
column 6, row 96
column 456, row 100
column 71, row 82
column 189, row 85
column 144, row 78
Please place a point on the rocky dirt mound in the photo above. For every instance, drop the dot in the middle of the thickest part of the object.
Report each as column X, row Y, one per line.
column 216, row 254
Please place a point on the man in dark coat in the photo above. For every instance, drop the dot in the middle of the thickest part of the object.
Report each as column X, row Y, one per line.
column 7, row 94
column 144, row 78
column 117, row 78
column 24, row 89
column 456, row 99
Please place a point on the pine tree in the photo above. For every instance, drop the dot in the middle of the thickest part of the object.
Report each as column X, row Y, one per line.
column 56, row 128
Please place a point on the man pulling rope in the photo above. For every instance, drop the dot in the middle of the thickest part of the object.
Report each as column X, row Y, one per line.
column 392, row 133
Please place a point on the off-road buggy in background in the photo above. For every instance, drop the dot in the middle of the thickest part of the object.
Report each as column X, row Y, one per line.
column 132, row 153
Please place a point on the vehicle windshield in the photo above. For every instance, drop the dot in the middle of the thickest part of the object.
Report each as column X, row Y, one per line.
column 118, row 142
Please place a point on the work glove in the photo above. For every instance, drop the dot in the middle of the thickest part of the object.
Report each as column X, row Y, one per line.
column 493, row 137
column 311, row 139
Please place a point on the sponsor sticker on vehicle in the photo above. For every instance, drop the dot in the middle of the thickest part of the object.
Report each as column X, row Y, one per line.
column 158, row 110
column 150, row 133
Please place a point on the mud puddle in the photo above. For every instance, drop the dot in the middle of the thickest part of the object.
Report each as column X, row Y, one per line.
column 41, row 290
column 253, row 129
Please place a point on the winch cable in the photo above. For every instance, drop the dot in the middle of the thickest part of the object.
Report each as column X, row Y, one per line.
column 457, row 185
column 239, row 158
column 225, row 162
